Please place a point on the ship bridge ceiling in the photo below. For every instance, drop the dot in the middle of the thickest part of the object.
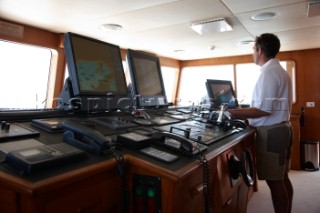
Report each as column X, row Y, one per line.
column 163, row 27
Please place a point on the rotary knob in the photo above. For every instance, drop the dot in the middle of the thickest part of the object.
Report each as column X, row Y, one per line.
column 7, row 127
column 3, row 125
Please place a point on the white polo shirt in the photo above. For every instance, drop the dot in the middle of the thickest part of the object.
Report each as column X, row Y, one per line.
column 272, row 93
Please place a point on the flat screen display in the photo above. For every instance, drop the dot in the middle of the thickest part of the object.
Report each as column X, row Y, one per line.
column 146, row 80
column 221, row 92
column 95, row 67
column 147, row 77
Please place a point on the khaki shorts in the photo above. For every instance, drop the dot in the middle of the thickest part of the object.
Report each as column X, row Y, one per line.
column 273, row 151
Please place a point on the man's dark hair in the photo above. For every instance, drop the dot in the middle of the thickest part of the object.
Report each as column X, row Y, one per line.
column 269, row 44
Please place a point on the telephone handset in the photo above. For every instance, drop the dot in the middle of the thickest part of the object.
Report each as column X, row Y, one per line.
column 95, row 142
column 85, row 137
column 178, row 143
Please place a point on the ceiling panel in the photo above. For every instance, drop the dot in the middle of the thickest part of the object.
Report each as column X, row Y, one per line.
column 162, row 26
column 64, row 12
column 290, row 17
column 181, row 12
column 300, row 39
column 241, row 6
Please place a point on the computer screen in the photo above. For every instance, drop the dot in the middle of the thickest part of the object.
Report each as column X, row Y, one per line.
column 95, row 70
column 146, row 80
column 220, row 92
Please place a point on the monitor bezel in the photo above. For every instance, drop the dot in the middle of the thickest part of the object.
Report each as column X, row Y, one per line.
column 73, row 71
column 92, row 102
column 145, row 101
column 212, row 98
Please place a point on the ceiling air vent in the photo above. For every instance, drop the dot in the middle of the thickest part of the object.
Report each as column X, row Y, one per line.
column 211, row 26
column 313, row 8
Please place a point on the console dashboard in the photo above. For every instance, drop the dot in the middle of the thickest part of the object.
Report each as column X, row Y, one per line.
column 162, row 151
column 187, row 136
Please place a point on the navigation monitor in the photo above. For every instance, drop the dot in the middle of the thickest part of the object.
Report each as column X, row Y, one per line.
column 146, row 80
column 95, row 72
column 220, row 92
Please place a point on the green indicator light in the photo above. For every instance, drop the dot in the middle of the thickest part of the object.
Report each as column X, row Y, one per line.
column 151, row 193
column 138, row 191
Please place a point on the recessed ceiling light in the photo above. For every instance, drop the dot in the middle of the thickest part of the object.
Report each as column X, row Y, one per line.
column 264, row 16
column 110, row 27
column 178, row 51
column 245, row 43
column 212, row 47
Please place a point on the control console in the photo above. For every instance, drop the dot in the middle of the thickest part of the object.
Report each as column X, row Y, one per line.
column 114, row 122
column 198, row 131
column 14, row 130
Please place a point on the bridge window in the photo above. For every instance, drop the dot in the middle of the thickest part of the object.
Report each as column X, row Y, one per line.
column 192, row 84
column 24, row 72
column 169, row 75
column 247, row 75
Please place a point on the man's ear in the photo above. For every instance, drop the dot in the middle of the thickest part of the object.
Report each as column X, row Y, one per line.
column 259, row 51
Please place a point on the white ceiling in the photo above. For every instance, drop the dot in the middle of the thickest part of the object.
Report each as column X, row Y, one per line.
column 162, row 26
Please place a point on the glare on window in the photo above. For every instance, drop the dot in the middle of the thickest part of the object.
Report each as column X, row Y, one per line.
column 192, row 88
column 24, row 71
column 247, row 76
column 169, row 79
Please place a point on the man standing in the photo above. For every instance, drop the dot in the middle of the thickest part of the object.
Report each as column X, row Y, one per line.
column 269, row 113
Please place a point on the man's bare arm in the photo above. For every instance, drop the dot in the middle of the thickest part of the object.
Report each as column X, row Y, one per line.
column 250, row 112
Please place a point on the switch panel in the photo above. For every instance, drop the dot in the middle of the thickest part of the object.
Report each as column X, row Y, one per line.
column 146, row 194
column 14, row 130
column 310, row 104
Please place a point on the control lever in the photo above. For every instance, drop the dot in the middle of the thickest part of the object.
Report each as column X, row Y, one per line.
column 220, row 114
column 223, row 118
column 223, row 112
column 218, row 117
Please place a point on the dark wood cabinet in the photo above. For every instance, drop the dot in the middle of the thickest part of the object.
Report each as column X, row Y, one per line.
column 8, row 200
column 231, row 195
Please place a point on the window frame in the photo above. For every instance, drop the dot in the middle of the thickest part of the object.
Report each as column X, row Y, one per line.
column 292, row 74
column 50, row 77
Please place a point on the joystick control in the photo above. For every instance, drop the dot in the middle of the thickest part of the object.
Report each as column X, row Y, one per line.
column 5, row 126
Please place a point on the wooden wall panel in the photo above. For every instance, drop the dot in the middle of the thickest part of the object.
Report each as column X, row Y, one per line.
column 308, row 89
column 34, row 36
